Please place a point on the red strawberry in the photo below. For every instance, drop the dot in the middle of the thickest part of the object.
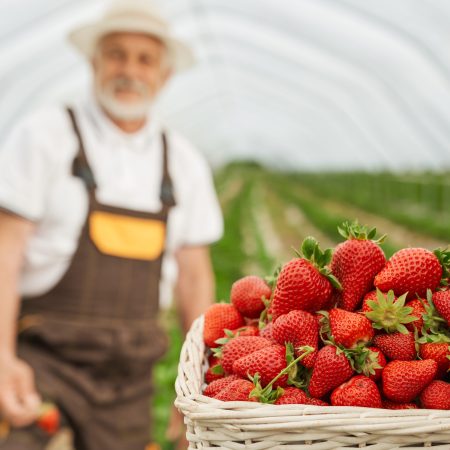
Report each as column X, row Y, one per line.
column 267, row 362
column 49, row 418
column 350, row 329
column 295, row 396
column 404, row 380
column 436, row 395
column 439, row 351
column 215, row 370
column 238, row 390
column 317, row 402
column 358, row 391
column 412, row 270
column 356, row 262
column 267, row 331
column 247, row 294
column 396, row 346
column 392, row 405
column 241, row 346
column 441, row 300
column 292, row 395
column 332, row 301
column 331, row 369
column 219, row 317
column 370, row 296
column 299, row 328
column 217, row 385
column 304, row 283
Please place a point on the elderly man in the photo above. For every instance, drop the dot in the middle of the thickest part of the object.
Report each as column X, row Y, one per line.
column 94, row 199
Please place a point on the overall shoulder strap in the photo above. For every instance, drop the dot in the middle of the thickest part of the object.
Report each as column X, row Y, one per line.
column 167, row 196
column 80, row 166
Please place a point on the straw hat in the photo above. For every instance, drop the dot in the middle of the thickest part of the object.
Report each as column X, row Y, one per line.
column 136, row 16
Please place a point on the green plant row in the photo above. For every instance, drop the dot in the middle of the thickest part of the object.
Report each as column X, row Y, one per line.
column 311, row 206
column 419, row 204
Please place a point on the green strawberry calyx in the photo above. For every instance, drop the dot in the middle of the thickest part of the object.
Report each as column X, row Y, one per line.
column 428, row 338
column 433, row 323
column 443, row 255
column 217, row 369
column 363, row 360
column 271, row 280
column 325, row 328
column 390, row 314
column 353, row 230
column 265, row 317
column 222, row 341
column 311, row 251
column 267, row 394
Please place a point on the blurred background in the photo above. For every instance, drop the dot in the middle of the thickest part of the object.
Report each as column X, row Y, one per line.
column 311, row 112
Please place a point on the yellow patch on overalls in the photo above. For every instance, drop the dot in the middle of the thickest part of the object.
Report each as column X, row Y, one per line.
column 127, row 237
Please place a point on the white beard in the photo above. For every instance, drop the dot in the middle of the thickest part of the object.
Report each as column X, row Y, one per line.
column 122, row 110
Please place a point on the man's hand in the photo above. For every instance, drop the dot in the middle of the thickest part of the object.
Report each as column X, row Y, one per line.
column 19, row 400
column 195, row 286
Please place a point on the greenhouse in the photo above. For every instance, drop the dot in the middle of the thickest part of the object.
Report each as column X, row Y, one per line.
column 294, row 119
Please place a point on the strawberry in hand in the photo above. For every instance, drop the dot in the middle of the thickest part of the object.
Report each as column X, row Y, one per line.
column 49, row 418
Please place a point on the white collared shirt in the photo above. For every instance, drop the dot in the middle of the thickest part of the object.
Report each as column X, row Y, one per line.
column 36, row 182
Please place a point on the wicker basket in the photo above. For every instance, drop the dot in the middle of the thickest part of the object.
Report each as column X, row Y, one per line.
column 213, row 424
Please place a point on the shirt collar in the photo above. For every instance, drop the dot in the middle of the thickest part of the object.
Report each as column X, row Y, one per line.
column 141, row 140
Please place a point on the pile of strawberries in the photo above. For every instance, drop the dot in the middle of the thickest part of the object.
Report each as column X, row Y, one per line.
column 342, row 327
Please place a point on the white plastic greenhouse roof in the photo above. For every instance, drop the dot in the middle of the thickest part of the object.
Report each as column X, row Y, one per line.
column 305, row 84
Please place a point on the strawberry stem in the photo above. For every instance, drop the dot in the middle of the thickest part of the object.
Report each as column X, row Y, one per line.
column 306, row 351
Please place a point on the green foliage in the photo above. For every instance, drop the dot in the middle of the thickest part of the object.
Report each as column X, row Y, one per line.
column 417, row 201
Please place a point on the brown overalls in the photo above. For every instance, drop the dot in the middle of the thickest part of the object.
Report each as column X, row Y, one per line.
column 93, row 339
